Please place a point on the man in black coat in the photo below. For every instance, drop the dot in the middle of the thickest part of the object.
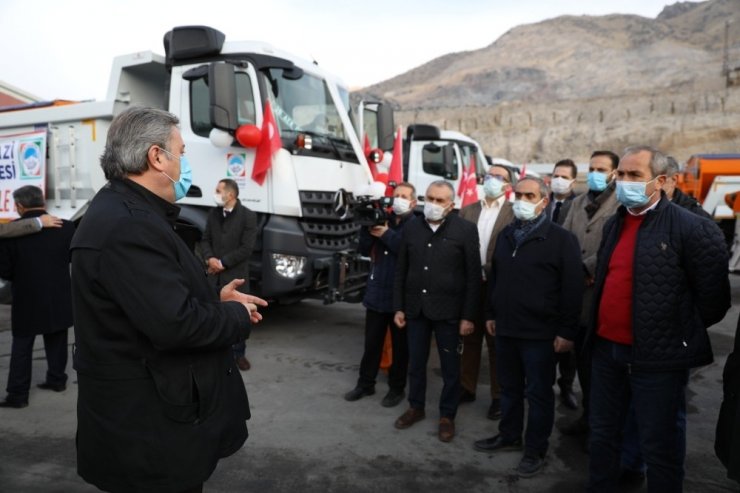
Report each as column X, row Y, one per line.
column 661, row 281
column 38, row 267
column 438, row 276
column 160, row 399
column 533, row 308
column 227, row 245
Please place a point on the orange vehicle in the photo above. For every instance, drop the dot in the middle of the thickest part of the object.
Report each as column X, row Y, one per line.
column 714, row 180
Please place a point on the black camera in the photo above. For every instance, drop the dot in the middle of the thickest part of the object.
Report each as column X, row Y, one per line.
column 370, row 211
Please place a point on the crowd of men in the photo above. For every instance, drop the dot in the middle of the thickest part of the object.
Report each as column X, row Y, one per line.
column 617, row 284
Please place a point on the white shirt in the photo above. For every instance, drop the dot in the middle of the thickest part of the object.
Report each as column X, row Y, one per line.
column 486, row 221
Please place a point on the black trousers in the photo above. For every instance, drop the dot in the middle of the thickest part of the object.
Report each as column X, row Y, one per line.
column 376, row 325
column 21, row 363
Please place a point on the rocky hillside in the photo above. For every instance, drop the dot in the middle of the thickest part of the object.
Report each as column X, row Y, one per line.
column 564, row 86
column 575, row 57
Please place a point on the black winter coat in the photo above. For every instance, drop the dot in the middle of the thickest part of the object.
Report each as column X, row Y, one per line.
column 536, row 290
column 160, row 398
column 38, row 266
column 231, row 240
column 438, row 274
column 680, row 286
column 727, row 436
column 383, row 253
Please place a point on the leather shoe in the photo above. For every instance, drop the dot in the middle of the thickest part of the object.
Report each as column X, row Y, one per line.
column 467, row 396
column 530, row 465
column 243, row 363
column 410, row 417
column 14, row 404
column 50, row 386
column 496, row 443
column 494, row 411
column 358, row 393
column 568, row 397
column 393, row 398
column 446, row 429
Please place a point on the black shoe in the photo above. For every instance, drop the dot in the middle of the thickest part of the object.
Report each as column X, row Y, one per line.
column 50, row 386
column 467, row 396
column 568, row 397
column 630, row 480
column 393, row 398
column 358, row 393
column 530, row 465
column 575, row 428
column 14, row 404
column 494, row 411
column 496, row 443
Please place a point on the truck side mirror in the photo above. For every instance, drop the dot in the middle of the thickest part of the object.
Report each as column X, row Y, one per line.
column 450, row 163
column 386, row 127
column 222, row 92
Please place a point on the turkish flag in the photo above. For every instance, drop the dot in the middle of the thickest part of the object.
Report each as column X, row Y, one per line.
column 267, row 147
column 469, row 184
column 395, row 172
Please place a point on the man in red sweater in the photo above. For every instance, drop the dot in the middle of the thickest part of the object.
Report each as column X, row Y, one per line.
column 661, row 280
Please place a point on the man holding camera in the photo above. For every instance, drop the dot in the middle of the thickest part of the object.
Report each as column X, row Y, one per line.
column 381, row 243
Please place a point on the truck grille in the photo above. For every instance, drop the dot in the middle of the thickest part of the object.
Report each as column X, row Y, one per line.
column 321, row 224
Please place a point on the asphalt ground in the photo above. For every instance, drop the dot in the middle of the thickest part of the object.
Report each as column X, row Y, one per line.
column 305, row 438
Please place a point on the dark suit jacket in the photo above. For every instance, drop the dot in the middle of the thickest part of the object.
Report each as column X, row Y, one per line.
column 438, row 274
column 535, row 289
column 564, row 208
column 230, row 239
column 38, row 266
column 505, row 216
column 160, row 398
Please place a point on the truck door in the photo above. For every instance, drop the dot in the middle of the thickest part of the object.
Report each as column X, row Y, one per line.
column 431, row 161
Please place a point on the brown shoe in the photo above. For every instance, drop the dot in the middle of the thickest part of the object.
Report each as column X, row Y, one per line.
column 446, row 429
column 410, row 417
column 243, row 363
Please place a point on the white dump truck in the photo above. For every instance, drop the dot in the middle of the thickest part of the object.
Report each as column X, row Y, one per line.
column 304, row 247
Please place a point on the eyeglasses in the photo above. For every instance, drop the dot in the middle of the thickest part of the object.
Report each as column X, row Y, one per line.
column 495, row 177
column 168, row 152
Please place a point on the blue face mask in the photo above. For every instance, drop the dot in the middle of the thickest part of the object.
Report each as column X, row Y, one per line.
column 597, row 181
column 493, row 186
column 182, row 185
column 631, row 194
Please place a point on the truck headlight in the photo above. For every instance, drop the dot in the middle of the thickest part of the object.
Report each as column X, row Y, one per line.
column 290, row 266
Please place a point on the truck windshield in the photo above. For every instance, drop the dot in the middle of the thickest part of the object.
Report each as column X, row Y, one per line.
column 304, row 105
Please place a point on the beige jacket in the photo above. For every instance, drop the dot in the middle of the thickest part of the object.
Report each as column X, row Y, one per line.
column 505, row 216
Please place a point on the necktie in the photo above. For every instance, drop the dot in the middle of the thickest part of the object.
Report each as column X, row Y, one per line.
column 226, row 213
column 556, row 212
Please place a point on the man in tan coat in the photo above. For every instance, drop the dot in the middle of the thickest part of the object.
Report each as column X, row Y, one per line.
column 491, row 215
column 586, row 217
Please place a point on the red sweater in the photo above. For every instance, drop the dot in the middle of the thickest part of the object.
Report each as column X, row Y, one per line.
column 615, row 307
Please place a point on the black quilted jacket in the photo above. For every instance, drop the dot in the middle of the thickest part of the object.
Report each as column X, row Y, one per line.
column 680, row 286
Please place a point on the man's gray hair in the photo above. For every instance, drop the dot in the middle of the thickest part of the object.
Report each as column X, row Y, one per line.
column 130, row 136
column 658, row 160
column 544, row 191
column 673, row 167
column 446, row 184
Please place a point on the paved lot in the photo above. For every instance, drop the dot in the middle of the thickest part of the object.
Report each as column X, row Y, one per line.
column 305, row 437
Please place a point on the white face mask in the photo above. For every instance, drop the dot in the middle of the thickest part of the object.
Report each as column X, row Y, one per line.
column 401, row 206
column 218, row 198
column 434, row 212
column 525, row 211
column 560, row 185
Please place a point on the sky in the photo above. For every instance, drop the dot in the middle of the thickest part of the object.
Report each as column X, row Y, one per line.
column 64, row 49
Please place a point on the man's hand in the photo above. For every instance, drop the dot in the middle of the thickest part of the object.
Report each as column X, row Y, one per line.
column 562, row 345
column 49, row 221
column 589, row 281
column 491, row 327
column 251, row 303
column 466, row 327
column 378, row 231
column 214, row 266
column 400, row 319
